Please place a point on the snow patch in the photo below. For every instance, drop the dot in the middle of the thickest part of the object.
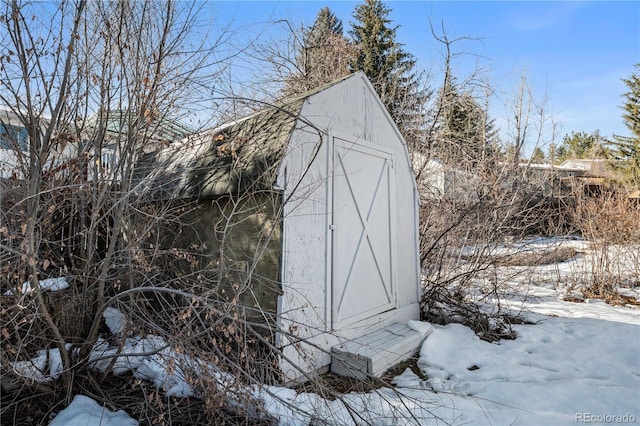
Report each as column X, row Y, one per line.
column 408, row 379
column 423, row 328
column 114, row 319
column 45, row 367
column 84, row 411
column 50, row 284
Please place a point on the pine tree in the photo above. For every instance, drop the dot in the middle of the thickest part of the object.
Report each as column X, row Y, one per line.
column 465, row 135
column 323, row 56
column 625, row 150
column 325, row 25
column 552, row 152
column 389, row 67
column 537, row 156
column 581, row 145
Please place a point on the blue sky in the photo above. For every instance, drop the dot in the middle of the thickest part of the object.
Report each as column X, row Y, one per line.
column 574, row 54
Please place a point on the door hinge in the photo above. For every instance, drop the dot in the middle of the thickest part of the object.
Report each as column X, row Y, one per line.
column 332, row 227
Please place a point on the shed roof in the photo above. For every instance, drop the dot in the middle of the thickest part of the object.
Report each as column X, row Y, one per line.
column 238, row 156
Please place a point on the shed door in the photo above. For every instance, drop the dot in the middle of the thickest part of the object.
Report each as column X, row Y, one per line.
column 362, row 249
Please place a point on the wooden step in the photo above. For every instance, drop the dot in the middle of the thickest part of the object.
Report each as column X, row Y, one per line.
column 376, row 352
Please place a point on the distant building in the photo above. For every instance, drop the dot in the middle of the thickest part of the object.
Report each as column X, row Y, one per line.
column 571, row 177
column 119, row 125
column 14, row 143
column 113, row 128
column 437, row 180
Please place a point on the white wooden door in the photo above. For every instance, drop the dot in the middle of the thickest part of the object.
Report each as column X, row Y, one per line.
column 362, row 243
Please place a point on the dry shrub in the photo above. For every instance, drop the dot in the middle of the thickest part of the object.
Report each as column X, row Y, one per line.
column 207, row 340
column 188, row 314
column 612, row 222
column 458, row 237
column 612, row 218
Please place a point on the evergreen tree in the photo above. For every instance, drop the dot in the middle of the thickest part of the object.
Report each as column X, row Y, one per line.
column 510, row 152
column 323, row 56
column 581, row 145
column 465, row 136
column 537, row 156
column 625, row 150
column 552, row 152
column 380, row 54
column 325, row 25
column 389, row 67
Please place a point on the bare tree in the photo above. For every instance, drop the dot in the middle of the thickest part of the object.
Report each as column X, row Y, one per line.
column 474, row 199
column 96, row 85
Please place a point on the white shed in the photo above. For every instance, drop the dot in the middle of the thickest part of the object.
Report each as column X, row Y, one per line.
column 348, row 234
column 350, row 261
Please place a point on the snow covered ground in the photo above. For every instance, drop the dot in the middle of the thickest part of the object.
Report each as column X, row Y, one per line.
column 576, row 363
column 84, row 411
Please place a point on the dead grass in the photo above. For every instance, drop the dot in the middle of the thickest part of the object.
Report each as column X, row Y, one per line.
column 399, row 368
column 612, row 297
column 558, row 255
column 331, row 386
